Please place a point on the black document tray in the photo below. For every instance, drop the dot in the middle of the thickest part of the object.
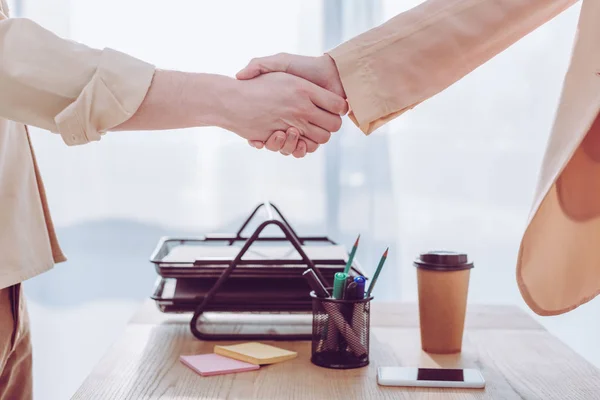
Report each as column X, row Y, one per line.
column 170, row 298
column 257, row 281
column 208, row 256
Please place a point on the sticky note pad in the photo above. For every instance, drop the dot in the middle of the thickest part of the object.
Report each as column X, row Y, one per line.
column 214, row 364
column 256, row 353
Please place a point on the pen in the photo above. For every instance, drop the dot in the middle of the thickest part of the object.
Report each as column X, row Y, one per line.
column 349, row 280
column 358, row 313
column 351, row 257
column 377, row 271
column 330, row 331
column 350, row 293
column 352, row 339
column 315, row 283
column 336, row 322
column 349, row 308
column 360, row 286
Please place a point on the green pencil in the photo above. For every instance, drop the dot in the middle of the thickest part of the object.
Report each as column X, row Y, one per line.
column 351, row 257
column 377, row 271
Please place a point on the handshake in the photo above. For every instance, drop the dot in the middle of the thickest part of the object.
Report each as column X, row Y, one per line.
column 289, row 103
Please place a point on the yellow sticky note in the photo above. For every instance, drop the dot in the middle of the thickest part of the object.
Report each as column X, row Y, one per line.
column 256, row 353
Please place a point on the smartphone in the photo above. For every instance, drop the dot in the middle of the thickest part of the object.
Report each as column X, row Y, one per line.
column 430, row 377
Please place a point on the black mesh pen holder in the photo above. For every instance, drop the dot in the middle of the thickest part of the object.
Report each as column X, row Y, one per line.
column 340, row 332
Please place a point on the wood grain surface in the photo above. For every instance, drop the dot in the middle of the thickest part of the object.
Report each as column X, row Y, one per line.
column 518, row 358
column 401, row 315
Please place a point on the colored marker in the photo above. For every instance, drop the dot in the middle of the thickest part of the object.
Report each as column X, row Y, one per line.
column 339, row 285
column 358, row 314
column 377, row 272
column 360, row 286
column 349, row 280
column 351, row 257
column 350, row 293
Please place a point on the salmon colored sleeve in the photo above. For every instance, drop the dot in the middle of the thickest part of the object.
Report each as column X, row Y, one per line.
column 419, row 53
column 66, row 87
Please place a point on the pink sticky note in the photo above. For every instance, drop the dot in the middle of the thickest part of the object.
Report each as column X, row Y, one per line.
column 214, row 364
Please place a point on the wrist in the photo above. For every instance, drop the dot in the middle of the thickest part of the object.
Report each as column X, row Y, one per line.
column 210, row 99
column 333, row 75
column 178, row 100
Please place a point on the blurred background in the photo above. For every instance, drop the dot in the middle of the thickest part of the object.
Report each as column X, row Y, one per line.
column 456, row 173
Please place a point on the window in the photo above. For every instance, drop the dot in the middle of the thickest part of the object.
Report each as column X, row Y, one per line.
column 112, row 201
column 457, row 172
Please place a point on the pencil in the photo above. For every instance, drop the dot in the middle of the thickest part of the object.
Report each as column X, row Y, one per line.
column 377, row 272
column 351, row 257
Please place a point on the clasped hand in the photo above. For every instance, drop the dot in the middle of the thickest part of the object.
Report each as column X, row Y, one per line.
column 302, row 103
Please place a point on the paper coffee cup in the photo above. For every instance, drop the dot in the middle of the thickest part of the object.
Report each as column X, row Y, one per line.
column 443, row 279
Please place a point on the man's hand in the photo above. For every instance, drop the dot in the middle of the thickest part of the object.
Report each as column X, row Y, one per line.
column 288, row 143
column 253, row 109
column 321, row 71
column 256, row 108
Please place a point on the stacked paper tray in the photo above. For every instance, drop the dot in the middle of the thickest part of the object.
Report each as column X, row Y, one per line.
column 268, row 278
column 198, row 258
column 246, row 287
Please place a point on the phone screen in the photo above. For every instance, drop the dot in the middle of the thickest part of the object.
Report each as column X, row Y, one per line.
column 407, row 376
column 444, row 375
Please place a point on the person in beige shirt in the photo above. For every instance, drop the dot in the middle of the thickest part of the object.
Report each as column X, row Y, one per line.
column 81, row 93
column 392, row 68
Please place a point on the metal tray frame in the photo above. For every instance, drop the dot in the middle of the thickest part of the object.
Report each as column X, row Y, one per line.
column 289, row 235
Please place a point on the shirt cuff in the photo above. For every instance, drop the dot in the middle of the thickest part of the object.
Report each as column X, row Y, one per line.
column 368, row 111
column 110, row 98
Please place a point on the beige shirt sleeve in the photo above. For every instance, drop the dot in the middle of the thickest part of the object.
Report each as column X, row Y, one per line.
column 66, row 87
column 417, row 54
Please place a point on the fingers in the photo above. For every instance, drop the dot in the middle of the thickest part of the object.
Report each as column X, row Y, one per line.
column 318, row 134
column 250, row 71
column 299, row 147
column 302, row 147
column 257, row 66
column 257, row 144
column 291, row 141
column 300, row 150
column 311, row 146
column 326, row 120
column 327, row 100
column 276, row 141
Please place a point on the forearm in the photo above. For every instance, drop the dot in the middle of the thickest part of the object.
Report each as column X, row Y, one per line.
column 421, row 52
column 182, row 100
column 64, row 86
column 69, row 88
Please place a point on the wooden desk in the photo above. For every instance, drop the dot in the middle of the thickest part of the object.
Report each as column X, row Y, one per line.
column 518, row 358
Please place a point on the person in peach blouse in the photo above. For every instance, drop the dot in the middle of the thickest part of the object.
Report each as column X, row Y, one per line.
column 394, row 67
